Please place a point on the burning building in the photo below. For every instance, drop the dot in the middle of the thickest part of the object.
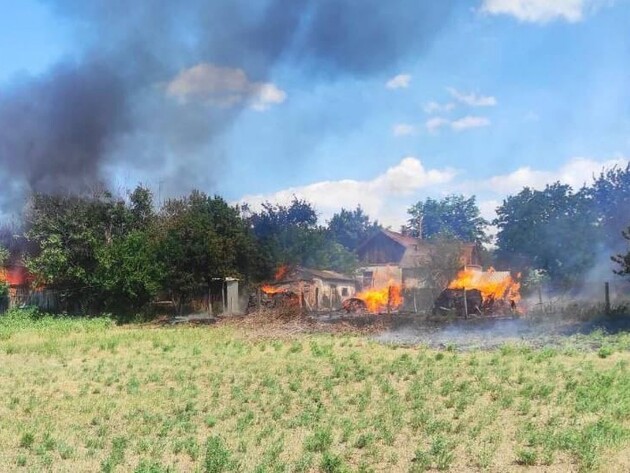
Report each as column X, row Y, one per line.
column 19, row 286
column 477, row 292
column 310, row 289
column 384, row 299
column 403, row 265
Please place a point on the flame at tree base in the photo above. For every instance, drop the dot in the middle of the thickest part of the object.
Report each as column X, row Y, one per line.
column 381, row 300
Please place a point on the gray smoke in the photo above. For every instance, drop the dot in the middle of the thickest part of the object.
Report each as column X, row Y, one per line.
column 107, row 107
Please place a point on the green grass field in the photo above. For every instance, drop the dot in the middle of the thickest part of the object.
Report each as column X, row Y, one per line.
column 90, row 396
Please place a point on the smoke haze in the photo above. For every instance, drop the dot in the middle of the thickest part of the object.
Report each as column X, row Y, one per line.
column 113, row 104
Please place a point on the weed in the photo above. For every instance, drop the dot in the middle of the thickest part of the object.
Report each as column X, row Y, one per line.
column 309, row 403
column 442, row 452
column 218, row 457
column 605, row 351
column 421, row 461
column 364, row 440
column 210, row 421
column 27, row 440
column 152, row 467
column 526, row 456
column 319, row 441
column 116, row 456
column 331, row 463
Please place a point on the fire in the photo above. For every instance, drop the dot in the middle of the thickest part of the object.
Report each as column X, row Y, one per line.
column 492, row 284
column 379, row 300
column 281, row 272
column 14, row 276
column 270, row 290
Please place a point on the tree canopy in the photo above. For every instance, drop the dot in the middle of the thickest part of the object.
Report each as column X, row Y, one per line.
column 289, row 235
column 454, row 216
column 350, row 228
column 103, row 252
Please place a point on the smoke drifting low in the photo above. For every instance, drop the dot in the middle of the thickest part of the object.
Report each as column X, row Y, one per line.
column 109, row 106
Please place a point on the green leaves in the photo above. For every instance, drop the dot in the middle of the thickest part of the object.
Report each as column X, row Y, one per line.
column 350, row 228
column 452, row 217
column 552, row 230
column 290, row 236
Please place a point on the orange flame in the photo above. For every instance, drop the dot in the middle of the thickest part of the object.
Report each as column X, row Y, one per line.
column 491, row 284
column 15, row 276
column 281, row 272
column 378, row 300
column 270, row 290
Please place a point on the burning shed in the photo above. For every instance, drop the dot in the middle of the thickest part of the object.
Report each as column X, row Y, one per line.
column 18, row 282
column 406, row 264
column 311, row 289
column 479, row 292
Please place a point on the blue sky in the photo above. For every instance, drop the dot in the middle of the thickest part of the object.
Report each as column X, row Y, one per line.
column 509, row 93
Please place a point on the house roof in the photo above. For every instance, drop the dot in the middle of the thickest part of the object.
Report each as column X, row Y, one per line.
column 416, row 250
column 328, row 275
column 404, row 240
column 308, row 274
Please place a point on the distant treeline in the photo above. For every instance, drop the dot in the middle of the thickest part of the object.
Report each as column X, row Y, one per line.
column 119, row 253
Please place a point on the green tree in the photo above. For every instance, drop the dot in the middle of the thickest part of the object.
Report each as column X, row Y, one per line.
column 350, row 228
column 129, row 273
column 609, row 197
column 550, row 230
column 4, row 286
column 4, row 256
column 68, row 231
column 453, row 216
column 623, row 260
column 79, row 247
column 202, row 238
column 443, row 263
column 289, row 235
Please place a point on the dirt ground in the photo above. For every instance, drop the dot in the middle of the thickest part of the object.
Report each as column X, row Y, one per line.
column 438, row 332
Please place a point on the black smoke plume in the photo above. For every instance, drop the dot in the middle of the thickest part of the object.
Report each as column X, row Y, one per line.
column 107, row 108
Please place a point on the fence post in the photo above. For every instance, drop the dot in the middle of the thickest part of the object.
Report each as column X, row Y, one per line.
column 258, row 299
column 607, row 296
column 465, row 305
column 331, row 301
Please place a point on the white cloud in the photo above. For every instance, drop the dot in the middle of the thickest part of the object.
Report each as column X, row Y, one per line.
column 469, row 122
column 461, row 124
column 223, row 87
column 434, row 124
column 401, row 81
column 379, row 197
column 435, row 107
column 541, row 11
column 388, row 196
column 576, row 172
column 472, row 99
column 403, row 129
column 267, row 95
